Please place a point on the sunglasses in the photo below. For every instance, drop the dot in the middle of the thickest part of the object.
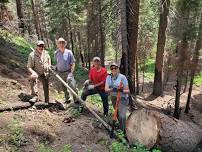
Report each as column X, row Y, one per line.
column 113, row 68
column 96, row 60
column 40, row 45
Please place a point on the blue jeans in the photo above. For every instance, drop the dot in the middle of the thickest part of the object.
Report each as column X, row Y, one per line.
column 103, row 95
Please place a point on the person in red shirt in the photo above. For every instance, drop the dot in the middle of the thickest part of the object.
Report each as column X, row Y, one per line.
column 96, row 83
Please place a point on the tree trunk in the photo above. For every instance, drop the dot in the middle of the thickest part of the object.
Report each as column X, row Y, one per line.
column 152, row 128
column 186, row 81
column 70, row 28
column 124, row 41
column 185, row 15
column 34, row 18
column 20, row 15
column 44, row 24
column 195, row 63
column 80, row 49
column 132, row 29
column 137, row 78
column 38, row 16
column 158, row 78
column 101, row 33
column 182, row 54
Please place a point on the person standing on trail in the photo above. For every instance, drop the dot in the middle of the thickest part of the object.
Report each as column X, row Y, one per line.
column 96, row 83
column 65, row 65
column 38, row 65
column 112, row 86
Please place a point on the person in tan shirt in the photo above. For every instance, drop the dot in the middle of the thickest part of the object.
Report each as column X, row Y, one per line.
column 38, row 65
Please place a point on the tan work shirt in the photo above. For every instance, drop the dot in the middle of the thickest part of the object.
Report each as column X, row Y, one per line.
column 39, row 62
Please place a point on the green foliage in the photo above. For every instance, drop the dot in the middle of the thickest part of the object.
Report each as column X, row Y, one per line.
column 4, row 1
column 149, row 69
column 43, row 148
column 21, row 44
column 80, row 73
column 198, row 79
column 16, row 136
column 118, row 147
column 187, row 19
column 67, row 148
column 103, row 142
column 75, row 112
column 51, row 52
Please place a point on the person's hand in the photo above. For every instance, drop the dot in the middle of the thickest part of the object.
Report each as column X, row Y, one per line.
column 34, row 75
column 70, row 75
column 110, row 86
column 121, row 89
column 54, row 67
column 90, row 87
column 115, row 89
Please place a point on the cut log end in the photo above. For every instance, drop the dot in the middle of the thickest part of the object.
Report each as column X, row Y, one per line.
column 152, row 128
column 145, row 128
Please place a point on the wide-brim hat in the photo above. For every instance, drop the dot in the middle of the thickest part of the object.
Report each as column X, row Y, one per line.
column 61, row 40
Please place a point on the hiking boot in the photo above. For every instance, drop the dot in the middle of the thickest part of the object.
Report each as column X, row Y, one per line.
column 34, row 99
column 67, row 101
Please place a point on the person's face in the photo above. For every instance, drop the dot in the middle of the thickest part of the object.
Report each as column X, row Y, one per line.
column 61, row 45
column 40, row 47
column 96, row 63
column 114, row 70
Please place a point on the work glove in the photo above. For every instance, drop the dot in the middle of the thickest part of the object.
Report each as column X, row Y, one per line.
column 86, row 83
column 70, row 76
column 90, row 87
column 34, row 75
column 116, row 89
column 110, row 86
column 54, row 67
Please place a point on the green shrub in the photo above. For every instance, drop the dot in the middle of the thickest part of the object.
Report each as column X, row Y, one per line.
column 16, row 136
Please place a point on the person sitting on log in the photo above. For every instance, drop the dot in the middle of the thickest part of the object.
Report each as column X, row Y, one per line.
column 96, row 83
column 38, row 65
column 112, row 86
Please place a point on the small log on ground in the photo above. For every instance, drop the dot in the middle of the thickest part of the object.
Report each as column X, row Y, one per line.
column 15, row 106
column 26, row 105
column 153, row 128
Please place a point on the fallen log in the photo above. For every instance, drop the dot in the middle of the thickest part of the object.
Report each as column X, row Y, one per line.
column 25, row 105
column 15, row 106
column 152, row 128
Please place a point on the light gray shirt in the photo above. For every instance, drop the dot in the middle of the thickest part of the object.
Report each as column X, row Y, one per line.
column 64, row 60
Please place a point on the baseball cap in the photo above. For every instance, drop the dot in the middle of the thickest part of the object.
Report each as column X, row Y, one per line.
column 40, row 42
column 114, row 64
column 96, row 58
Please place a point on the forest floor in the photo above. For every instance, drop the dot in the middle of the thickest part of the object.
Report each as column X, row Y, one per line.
column 32, row 129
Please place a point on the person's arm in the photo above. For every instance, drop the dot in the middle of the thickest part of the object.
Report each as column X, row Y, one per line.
column 107, row 88
column 125, row 85
column 72, row 62
column 30, row 64
column 72, row 67
column 91, row 75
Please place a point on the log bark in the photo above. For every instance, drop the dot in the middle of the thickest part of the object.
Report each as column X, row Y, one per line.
column 152, row 128
column 26, row 105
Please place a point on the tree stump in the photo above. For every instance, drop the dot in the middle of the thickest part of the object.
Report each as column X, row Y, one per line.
column 152, row 128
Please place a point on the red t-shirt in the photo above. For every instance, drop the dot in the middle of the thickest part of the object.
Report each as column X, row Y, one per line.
column 98, row 76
